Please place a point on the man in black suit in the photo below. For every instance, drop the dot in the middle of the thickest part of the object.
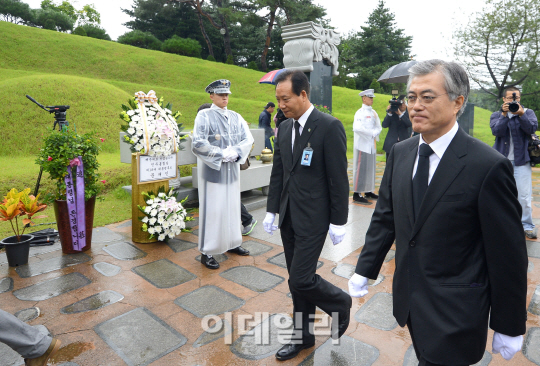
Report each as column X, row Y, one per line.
column 450, row 203
column 312, row 199
column 399, row 127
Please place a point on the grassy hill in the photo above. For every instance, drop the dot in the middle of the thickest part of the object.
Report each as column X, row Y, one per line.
column 94, row 77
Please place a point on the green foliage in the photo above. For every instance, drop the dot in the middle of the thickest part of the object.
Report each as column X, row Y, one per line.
column 253, row 66
column 230, row 60
column 80, row 31
column 140, row 39
column 59, row 149
column 87, row 15
column 15, row 11
column 52, row 20
column 182, row 46
column 323, row 109
column 351, row 84
column 375, row 85
column 95, row 31
column 210, row 58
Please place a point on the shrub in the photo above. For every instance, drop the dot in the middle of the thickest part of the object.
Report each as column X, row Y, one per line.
column 95, row 31
column 351, row 84
column 375, row 85
column 323, row 109
column 80, row 31
column 252, row 65
column 140, row 39
column 53, row 20
column 182, row 46
column 230, row 60
column 211, row 58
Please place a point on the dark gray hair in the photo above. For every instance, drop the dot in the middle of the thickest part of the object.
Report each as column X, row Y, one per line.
column 456, row 81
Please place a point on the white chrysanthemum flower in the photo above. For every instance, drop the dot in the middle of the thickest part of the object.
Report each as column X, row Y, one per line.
column 160, row 220
column 131, row 130
column 130, row 112
column 137, row 111
column 132, row 124
column 151, row 230
column 153, row 212
column 152, row 221
column 165, row 224
column 151, row 153
column 161, row 194
column 161, row 237
column 147, row 210
column 158, row 229
column 171, row 235
column 138, row 147
column 136, row 118
column 145, row 219
column 150, row 201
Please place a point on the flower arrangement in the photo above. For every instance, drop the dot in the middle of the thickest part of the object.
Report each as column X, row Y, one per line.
column 66, row 148
column 164, row 216
column 323, row 108
column 151, row 128
column 17, row 204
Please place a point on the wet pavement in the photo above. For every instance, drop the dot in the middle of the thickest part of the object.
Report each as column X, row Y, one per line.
column 123, row 303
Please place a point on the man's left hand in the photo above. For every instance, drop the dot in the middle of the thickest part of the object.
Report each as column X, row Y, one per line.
column 520, row 112
column 506, row 345
column 337, row 233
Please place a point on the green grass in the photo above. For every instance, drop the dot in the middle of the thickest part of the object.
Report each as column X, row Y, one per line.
column 95, row 77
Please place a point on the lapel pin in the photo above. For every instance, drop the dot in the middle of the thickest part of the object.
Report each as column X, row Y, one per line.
column 309, row 130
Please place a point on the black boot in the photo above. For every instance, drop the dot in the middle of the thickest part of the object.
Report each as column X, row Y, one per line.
column 209, row 262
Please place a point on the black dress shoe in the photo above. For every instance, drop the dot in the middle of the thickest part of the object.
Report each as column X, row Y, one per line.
column 361, row 200
column 209, row 262
column 239, row 250
column 291, row 350
column 343, row 320
column 371, row 195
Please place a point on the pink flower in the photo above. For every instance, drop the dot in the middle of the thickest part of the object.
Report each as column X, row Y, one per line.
column 49, row 158
column 74, row 162
column 103, row 181
column 102, row 139
column 325, row 107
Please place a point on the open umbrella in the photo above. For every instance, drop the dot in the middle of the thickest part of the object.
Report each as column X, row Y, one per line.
column 270, row 77
column 398, row 73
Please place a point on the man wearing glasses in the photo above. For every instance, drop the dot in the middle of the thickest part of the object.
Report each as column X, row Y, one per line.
column 512, row 132
column 450, row 203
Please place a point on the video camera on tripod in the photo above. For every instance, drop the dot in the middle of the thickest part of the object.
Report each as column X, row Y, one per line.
column 59, row 113
column 395, row 102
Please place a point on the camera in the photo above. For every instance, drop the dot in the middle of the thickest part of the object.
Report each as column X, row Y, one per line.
column 513, row 107
column 59, row 113
column 395, row 102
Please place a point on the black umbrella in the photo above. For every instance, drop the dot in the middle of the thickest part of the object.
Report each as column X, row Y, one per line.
column 398, row 73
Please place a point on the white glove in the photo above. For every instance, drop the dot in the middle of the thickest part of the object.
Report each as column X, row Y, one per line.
column 229, row 155
column 337, row 233
column 358, row 286
column 225, row 154
column 268, row 223
column 506, row 345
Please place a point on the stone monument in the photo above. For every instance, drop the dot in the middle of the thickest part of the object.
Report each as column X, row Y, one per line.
column 312, row 49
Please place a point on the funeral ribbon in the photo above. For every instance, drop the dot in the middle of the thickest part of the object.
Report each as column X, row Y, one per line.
column 152, row 99
column 76, row 209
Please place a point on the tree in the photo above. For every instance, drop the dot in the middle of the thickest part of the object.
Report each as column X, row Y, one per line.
column 376, row 86
column 182, row 46
column 95, row 31
column 87, row 15
column 501, row 46
column 52, row 19
column 376, row 47
column 15, row 11
column 140, row 39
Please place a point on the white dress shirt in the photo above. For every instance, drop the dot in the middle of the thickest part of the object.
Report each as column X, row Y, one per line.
column 302, row 121
column 438, row 146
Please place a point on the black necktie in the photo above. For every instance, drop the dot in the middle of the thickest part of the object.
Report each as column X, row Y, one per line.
column 296, row 132
column 421, row 178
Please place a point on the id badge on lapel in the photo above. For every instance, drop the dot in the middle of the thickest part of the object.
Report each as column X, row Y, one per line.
column 307, row 155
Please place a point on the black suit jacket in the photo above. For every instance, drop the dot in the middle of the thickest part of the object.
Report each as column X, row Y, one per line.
column 318, row 194
column 464, row 260
column 398, row 129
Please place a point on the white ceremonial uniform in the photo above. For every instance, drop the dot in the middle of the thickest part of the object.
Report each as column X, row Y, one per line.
column 219, row 182
column 366, row 127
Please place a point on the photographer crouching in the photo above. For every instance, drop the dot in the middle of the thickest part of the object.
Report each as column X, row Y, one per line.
column 398, row 123
column 512, row 126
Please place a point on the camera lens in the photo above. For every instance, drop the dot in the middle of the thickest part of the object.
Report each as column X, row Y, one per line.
column 513, row 107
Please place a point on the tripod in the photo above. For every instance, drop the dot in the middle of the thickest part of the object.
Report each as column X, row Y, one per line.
column 59, row 119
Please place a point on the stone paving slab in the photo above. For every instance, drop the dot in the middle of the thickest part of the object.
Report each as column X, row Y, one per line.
column 107, row 269
column 534, row 306
column 125, row 224
column 263, row 340
column 35, row 251
column 49, row 265
column 124, row 251
column 6, row 284
column 52, row 288
column 253, row 278
column 411, row 360
column 377, row 312
column 105, row 235
column 139, row 337
column 94, row 302
column 350, row 351
column 209, row 300
column 178, row 245
column 346, row 270
column 279, row 260
column 221, row 329
column 531, row 346
column 26, row 315
column 218, row 257
column 530, row 267
column 533, row 249
column 163, row 273
column 255, row 248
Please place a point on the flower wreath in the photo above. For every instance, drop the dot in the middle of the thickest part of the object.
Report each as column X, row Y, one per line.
column 151, row 128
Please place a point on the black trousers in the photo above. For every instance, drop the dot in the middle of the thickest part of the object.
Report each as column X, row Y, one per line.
column 308, row 289
column 421, row 360
column 246, row 216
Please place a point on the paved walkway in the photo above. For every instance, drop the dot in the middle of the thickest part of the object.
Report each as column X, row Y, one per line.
column 146, row 304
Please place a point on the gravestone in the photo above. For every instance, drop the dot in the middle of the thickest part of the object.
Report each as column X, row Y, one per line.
column 466, row 120
column 312, row 49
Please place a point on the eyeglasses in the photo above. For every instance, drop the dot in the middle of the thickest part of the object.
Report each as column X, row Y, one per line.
column 424, row 100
